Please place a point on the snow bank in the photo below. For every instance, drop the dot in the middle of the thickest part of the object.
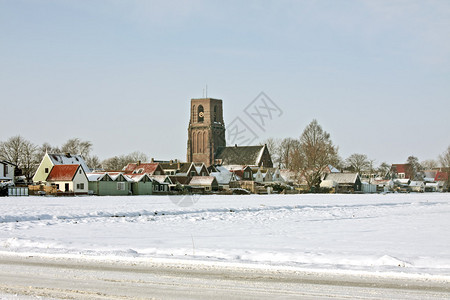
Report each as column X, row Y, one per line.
column 374, row 233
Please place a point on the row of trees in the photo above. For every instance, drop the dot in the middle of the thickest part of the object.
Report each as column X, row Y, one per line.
column 27, row 156
column 309, row 155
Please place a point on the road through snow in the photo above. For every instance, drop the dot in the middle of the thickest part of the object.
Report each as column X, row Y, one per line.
column 74, row 278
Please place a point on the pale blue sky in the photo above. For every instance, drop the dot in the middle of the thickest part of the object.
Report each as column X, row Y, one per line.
column 375, row 74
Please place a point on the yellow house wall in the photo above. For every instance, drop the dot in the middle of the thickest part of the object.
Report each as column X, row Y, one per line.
column 40, row 174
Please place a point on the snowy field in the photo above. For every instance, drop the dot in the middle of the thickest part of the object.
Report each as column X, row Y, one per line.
column 393, row 233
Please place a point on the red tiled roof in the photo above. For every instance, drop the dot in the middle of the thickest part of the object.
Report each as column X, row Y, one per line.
column 63, row 172
column 441, row 176
column 148, row 168
column 402, row 168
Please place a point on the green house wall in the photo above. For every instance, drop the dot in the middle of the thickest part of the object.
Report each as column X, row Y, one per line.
column 142, row 188
column 108, row 188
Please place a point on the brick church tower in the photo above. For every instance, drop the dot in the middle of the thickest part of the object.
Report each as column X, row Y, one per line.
column 206, row 132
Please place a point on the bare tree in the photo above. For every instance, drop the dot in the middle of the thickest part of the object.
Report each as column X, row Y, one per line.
column 93, row 162
column 287, row 149
column 117, row 163
column 444, row 160
column 136, row 156
column 358, row 162
column 315, row 153
column 429, row 164
column 384, row 169
column 76, row 146
column 20, row 152
column 415, row 169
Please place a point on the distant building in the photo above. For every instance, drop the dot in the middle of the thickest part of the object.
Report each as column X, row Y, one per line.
column 245, row 155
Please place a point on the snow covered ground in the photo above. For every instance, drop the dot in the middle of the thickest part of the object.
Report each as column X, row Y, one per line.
column 393, row 233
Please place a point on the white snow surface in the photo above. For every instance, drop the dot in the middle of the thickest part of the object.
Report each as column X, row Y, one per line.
column 392, row 233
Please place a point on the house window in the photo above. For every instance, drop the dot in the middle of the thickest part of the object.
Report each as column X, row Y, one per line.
column 155, row 188
column 121, row 186
column 161, row 187
column 192, row 173
column 246, row 175
column 157, row 173
column 79, row 172
column 203, row 174
column 46, row 170
column 80, row 186
column 57, row 186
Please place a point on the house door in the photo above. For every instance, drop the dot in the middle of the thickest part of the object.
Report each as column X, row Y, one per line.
column 66, row 186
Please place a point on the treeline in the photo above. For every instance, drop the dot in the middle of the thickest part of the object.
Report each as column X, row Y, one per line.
column 314, row 150
column 27, row 156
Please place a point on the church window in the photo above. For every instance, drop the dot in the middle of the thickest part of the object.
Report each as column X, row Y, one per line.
column 215, row 113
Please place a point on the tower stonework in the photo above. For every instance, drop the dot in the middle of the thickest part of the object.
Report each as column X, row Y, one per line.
column 206, row 132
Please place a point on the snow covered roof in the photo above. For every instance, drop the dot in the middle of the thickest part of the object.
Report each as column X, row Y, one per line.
column 234, row 167
column 333, row 169
column 416, row 183
column 328, row 183
column 141, row 168
column 95, row 176
column 137, row 177
column 69, row 159
column 160, row 178
column 63, row 173
column 202, row 180
column 241, row 155
column 342, row 178
column 223, row 177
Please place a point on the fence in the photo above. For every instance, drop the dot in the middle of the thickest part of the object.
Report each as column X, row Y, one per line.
column 17, row 191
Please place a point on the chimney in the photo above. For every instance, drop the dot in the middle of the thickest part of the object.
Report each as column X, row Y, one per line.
column 235, row 145
column 138, row 162
column 171, row 161
column 153, row 160
column 178, row 165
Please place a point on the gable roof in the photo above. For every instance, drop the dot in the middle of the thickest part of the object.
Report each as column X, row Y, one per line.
column 342, row 178
column 138, row 177
column 68, row 159
column 240, row 155
column 63, row 173
column 175, row 179
column 141, row 168
column 202, row 180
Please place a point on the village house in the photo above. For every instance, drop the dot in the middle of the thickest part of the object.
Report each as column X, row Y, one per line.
column 68, row 179
column 7, row 171
column 342, row 182
column 141, row 184
column 224, row 177
column 109, row 184
column 51, row 160
column 204, row 183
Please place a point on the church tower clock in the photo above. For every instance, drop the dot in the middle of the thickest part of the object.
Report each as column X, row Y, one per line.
column 206, row 132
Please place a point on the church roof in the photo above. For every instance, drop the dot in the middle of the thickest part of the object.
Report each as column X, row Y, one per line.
column 240, row 155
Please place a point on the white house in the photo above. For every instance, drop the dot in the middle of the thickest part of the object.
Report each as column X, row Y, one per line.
column 7, row 170
column 69, row 179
